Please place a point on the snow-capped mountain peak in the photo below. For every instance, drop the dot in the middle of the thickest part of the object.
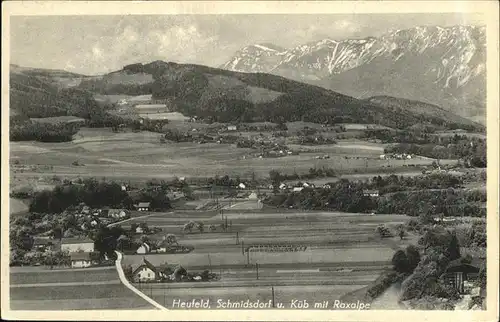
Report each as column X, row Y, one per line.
column 450, row 58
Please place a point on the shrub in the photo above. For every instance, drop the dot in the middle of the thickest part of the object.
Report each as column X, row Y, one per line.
column 384, row 231
column 423, row 277
column 400, row 262
column 413, row 256
column 382, row 283
column 453, row 247
column 414, row 225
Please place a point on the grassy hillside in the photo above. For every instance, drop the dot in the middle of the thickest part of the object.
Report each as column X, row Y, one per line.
column 225, row 96
column 216, row 95
column 396, row 104
column 41, row 93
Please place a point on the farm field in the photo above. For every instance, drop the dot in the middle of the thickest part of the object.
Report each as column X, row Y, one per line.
column 71, row 289
column 337, row 253
column 125, row 156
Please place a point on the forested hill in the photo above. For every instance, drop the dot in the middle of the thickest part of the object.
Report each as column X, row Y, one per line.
column 226, row 96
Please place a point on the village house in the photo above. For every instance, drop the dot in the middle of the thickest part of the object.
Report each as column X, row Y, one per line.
column 140, row 230
column 370, row 193
column 460, row 273
column 145, row 248
column 72, row 245
column 242, row 185
column 253, row 196
column 82, row 260
column 118, row 213
column 143, row 206
column 232, row 127
column 297, row 189
column 146, row 272
column 162, row 246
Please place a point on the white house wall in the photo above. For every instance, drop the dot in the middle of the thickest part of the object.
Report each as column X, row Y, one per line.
column 73, row 248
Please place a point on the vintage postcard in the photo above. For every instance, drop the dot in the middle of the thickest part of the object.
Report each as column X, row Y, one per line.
column 221, row 160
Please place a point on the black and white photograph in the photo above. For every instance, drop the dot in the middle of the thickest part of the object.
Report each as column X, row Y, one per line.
column 310, row 162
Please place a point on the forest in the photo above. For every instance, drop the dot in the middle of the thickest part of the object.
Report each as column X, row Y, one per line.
column 435, row 195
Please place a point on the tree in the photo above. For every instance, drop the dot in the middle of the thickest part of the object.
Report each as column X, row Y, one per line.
column 171, row 239
column 275, row 177
column 144, row 239
column 200, row 226
column 454, row 247
column 400, row 262
column 57, row 233
column 413, row 256
column 179, row 272
column 189, row 226
column 123, row 242
column 144, row 227
column 105, row 240
column 401, row 232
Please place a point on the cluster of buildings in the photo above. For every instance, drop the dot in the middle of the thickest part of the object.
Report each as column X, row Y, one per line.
column 295, row 188
column 162, row 247
column 145, row 272
column 81, row 250
column 396, row 156
column 89, row 218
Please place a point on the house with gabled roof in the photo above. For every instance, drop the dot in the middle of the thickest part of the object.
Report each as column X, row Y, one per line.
column 82, row 259
column 460, row 271
column 145, row 248
column 143, row 206
column 145, row 272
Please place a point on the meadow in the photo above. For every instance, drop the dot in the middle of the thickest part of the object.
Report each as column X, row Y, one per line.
column 69, row 289
column 129, row 156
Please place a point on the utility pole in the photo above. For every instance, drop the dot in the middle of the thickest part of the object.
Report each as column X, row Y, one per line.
column 248, row 257
column 209, row 263
column 237, row 239
column 272, row 293
column 242, row 248
column 257, row 269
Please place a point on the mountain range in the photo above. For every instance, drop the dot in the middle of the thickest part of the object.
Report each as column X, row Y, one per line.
column 444, row 66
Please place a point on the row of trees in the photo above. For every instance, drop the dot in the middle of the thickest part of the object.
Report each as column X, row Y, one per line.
column 92, row 192
column 43, row 132
column 95, row 194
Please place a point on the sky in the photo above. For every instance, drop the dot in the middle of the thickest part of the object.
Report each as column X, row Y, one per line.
column 94, row 45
